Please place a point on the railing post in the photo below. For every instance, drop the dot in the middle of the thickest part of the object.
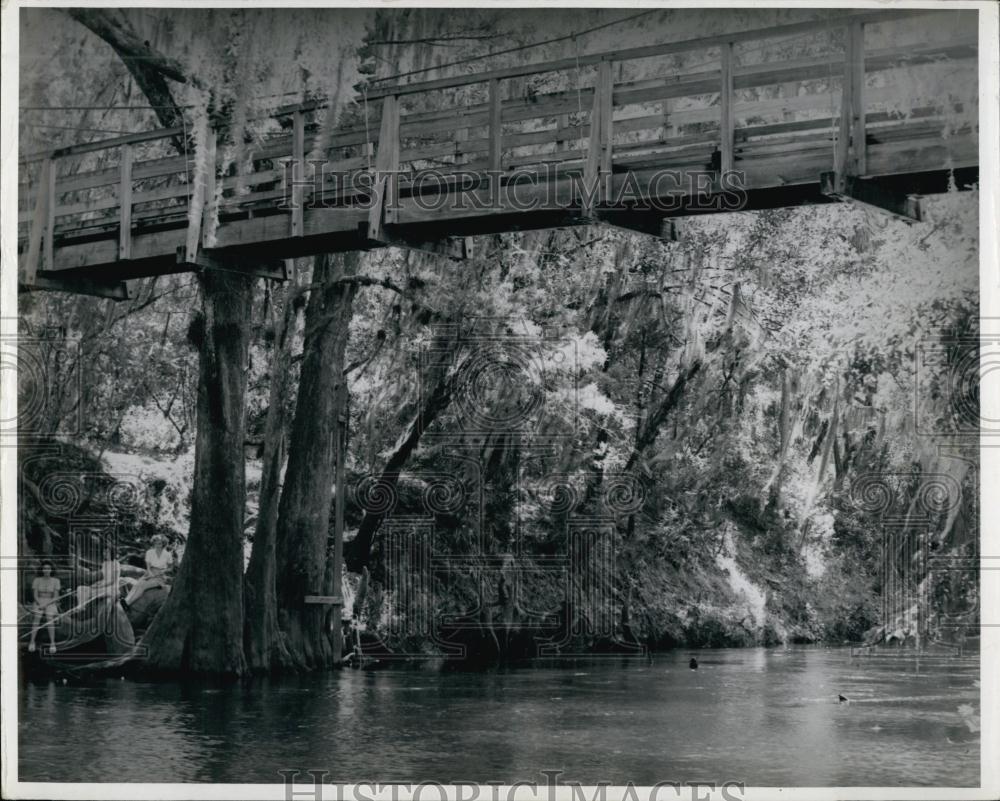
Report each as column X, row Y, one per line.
column 599, row 143
column 496, row 152
column 39, row 223
column 841, row 163
column 461, row 137
column 856, row 38
column 209, row 209
column 607, row 114
column 196, row 210
column 50, row 213
column 726, row 98
column 298, row 165
column 562, row 127
column 125, row 204
column 386, row 167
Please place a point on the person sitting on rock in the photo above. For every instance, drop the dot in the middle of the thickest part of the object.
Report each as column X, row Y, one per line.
column 159, row 559
column 45, row 591
column 111, row 573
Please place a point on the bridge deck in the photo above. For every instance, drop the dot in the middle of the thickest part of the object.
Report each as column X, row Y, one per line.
column 516, row 149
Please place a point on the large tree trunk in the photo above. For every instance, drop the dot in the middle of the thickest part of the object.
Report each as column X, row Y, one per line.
column 304, row 512
column 265, row 648
column 200, row 628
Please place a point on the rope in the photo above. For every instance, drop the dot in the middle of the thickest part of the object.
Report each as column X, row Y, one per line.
column 517, row 49
column 99, row 108
column 75, row 128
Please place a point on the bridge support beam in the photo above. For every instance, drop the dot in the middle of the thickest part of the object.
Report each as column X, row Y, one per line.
column 452, row 247
column 115, row 290
column 873, row 193
column 649, row 223
column 209, row 259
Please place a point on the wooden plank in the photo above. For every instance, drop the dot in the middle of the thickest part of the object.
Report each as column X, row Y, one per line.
column 460, row 146
column 110, row 176
column 79, row 285
column 777, row 31
column 196, row 217
column 747, row 76
column 605, row 91
column 387, row 156
column 563, row 128
column 329, row 230
column 592, row 168
column 231, row 262
column 334, row 600
column 50, row 212
column 624, row 125
column 642, row 221
column 104, row 144
column 125, row 204
column 843, row 144
column 298, row 169
column 551, row 104
column 752, row 75
column 726, row 100
column 856, row 34
column 386, row 166
column 873, row 194
column 208, row 210
column 39, row 219
column 452, row 247
column 669, row 155
column 495, row 126
column 901, row 137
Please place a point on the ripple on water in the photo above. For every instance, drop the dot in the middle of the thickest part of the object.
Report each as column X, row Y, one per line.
column 791, row 730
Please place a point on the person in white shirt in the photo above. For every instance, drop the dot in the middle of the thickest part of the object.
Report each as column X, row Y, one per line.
column 159, row 560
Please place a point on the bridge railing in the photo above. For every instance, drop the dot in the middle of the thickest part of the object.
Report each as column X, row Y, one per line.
column 780, row 104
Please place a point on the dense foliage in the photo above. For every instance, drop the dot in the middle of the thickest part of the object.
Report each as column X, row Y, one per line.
column 719, row 407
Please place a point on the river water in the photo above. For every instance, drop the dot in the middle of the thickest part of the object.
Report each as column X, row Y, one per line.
column 759, row 716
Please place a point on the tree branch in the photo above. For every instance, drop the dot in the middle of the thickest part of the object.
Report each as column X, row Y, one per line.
column 149, row 68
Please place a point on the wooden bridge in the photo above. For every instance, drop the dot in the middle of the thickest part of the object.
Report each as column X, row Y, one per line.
column 635, row 138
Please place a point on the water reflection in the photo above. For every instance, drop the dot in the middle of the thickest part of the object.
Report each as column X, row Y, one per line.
column 763, row 717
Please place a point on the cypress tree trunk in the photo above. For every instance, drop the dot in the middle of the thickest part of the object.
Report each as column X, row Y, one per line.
column 304, row 511
column 200, row 628
column 265, row 649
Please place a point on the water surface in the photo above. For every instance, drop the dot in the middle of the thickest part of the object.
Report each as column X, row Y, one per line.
column 759, row 716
